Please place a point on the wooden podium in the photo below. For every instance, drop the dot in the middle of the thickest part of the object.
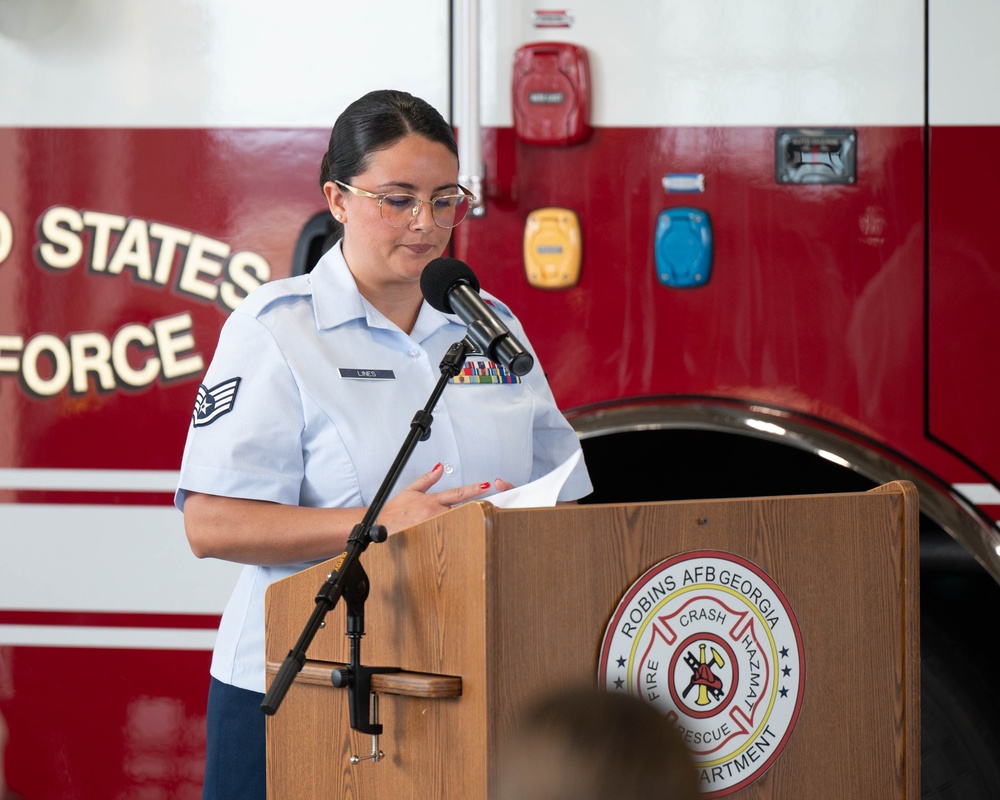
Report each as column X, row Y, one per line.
column 487, row 610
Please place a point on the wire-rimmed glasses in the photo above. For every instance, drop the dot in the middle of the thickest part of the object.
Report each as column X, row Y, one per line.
column 399, row 210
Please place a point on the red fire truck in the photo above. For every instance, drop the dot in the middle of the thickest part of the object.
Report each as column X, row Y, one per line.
column 747, row 241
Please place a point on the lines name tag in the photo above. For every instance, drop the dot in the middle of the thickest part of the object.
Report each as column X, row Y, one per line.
column 368, row 374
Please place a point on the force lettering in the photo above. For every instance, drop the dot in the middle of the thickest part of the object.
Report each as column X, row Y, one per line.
column 133, row 358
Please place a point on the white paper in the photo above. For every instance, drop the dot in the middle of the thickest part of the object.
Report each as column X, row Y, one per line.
column 540, row 493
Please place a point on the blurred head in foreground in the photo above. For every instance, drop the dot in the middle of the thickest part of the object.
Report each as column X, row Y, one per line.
column 585, row 744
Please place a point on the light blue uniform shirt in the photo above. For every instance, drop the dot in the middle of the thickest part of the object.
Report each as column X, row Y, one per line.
column 308, row 400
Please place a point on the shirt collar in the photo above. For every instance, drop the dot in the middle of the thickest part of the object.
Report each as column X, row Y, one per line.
column 336, row 300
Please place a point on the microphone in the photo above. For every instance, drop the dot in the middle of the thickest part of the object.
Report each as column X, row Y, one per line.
column 450, row 285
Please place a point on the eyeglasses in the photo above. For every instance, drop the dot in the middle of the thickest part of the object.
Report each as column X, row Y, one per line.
column 399, row 210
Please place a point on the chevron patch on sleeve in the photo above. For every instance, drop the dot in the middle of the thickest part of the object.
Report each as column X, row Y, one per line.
column 213, row 403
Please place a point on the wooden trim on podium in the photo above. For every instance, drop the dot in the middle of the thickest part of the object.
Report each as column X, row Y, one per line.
column 909, row 599
column 408, row 684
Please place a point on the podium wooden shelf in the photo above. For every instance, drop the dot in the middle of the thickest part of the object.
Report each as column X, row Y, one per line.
column 406, row 684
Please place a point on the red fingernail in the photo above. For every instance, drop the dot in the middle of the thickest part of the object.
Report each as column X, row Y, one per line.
column 436, row 467
column 485, row 485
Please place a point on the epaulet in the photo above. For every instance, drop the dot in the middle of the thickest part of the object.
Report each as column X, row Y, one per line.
column 495, row 303
column 275, row 292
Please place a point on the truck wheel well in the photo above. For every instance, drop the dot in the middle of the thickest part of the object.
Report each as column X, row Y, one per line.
column 654, row 464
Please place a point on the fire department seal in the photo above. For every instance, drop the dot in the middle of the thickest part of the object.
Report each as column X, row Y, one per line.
column 708, row 638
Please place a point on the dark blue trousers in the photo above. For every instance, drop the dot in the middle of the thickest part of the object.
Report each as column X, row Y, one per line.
column 235, row 757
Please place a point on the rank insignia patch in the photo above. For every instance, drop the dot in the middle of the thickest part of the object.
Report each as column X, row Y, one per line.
column 213, row 403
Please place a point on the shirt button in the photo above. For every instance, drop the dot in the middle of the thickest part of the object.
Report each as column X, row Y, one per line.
column 449, row 468
column 414, row 354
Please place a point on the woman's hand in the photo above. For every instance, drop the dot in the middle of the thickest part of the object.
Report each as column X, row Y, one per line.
column 416, row 502
column 258, row 532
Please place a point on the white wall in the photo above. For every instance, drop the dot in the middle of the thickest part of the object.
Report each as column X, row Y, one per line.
column 213, row 63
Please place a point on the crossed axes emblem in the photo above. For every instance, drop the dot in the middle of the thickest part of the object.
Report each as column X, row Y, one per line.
column 703, row 677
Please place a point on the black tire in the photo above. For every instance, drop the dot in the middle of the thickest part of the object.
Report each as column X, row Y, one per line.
column 959, row 727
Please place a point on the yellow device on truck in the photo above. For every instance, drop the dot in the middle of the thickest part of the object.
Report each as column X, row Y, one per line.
column 552, row 248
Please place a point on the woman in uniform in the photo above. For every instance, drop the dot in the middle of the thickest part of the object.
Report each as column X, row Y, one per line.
column 311, row 392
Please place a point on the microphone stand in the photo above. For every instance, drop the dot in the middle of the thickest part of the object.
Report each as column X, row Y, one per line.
column 349, row 580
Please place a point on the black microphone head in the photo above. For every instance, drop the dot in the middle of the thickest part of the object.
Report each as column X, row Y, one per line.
column 439, row 276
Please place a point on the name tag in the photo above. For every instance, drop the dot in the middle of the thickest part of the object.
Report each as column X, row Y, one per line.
column 368, row 374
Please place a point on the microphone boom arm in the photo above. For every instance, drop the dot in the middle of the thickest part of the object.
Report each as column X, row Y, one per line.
column 349, row 580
